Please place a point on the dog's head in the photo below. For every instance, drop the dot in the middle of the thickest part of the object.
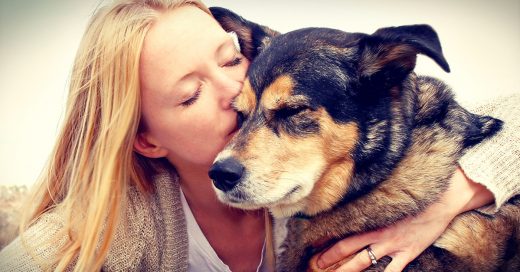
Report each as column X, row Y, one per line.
column 314, row 106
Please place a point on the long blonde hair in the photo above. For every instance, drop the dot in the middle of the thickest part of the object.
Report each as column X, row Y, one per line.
column 93, row 161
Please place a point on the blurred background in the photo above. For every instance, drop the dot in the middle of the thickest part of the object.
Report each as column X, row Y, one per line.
column 38, row 40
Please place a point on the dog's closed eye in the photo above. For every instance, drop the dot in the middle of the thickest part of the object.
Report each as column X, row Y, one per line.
column 295, row 121
column 288, row 112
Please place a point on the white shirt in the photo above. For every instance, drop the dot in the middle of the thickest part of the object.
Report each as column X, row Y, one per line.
column 201, row 256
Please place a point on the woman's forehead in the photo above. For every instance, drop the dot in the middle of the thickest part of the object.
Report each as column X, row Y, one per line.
column 179, row 28
column 176, row 44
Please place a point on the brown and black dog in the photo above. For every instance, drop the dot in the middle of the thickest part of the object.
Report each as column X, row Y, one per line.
column 339, row 134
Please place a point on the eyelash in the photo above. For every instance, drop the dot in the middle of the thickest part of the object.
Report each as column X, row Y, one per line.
column 192, row 99
column 236, row 61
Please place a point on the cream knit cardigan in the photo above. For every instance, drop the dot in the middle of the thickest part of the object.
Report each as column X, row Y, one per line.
column 153, row 235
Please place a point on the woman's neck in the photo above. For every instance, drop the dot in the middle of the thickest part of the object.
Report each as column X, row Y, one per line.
column 223, row 226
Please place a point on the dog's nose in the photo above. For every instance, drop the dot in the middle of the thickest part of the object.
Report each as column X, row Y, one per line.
column 226, row 173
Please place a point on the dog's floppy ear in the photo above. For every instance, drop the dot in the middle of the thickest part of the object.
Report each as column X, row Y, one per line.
column 252, row 37
column 389, row 55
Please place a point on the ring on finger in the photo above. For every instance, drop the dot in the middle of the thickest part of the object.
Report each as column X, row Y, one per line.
column 371, row 255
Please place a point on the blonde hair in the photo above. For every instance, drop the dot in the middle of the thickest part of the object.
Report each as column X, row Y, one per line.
column 93, row 161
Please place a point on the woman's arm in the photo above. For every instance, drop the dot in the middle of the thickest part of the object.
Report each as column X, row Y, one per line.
column 495, row 163
column 33, row 250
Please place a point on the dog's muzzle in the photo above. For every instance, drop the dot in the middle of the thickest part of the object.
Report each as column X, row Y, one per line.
column 226, row 174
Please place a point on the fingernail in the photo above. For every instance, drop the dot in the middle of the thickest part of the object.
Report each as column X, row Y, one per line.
column 321, row 264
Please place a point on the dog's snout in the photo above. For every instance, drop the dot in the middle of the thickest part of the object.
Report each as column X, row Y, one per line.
column 226, row 173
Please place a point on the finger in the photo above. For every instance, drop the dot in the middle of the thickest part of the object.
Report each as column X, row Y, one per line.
column 362, row 260
column 397, row 264
column 345, row 248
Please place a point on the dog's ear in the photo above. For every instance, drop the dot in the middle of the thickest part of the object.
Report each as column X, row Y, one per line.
column 390, row 54
column 252, row 37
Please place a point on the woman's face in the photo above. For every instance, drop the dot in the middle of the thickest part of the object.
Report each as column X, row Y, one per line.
column 190, row 71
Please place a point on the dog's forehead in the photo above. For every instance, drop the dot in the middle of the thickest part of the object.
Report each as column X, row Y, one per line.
column 316, row 64
column 321, row 52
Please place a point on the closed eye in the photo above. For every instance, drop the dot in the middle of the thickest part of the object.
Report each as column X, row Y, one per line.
column 296, row 120
column 288, row 112
column 192, row 99
column 236, row 61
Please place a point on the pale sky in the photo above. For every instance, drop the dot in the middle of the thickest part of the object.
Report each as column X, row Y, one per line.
column 38, row 40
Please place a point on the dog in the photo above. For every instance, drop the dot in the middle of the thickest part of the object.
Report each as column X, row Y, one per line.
column 340, row 135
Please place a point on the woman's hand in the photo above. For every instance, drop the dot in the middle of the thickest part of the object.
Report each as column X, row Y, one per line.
column 408, row 238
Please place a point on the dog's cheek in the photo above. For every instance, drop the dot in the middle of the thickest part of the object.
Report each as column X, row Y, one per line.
column 338, row 141
column 245, row 102
column 260, row 156
column 280, row 162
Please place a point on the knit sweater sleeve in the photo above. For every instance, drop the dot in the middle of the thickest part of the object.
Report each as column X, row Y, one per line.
column 39, row 244
column 495, row 162
column 20, row 254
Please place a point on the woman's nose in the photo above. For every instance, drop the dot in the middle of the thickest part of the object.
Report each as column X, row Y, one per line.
column 228, row 87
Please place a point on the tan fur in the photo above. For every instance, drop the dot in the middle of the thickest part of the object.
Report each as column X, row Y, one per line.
column 276, row 151
column 422, row 162
column 338, row 141
column 246, row 101
column 415, row 166
column 469, row 236
column 277, row 94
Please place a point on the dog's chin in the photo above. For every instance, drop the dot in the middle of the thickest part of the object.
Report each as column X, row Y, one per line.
column 286, row 205
column 287, row 210
column 238, row 200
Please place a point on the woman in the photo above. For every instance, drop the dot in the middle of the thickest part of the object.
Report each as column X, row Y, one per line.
column 127, row 186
